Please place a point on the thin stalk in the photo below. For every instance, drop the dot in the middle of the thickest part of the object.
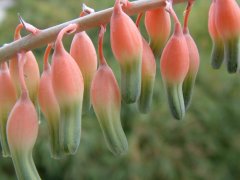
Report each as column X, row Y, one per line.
column 139, row 19
column 21, row 62
column 17, row 34
column 170, row 9
column 100, row 45
column 46, row 55
column 69, row 29
column 186, row 15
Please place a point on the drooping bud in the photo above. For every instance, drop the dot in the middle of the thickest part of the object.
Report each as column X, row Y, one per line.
column 22, row 131
column 8, row 97
column 148, row 78
column 126, row 43
column 158, row 26
column 68, row 87
column 217, row 56
column 174, row 67
column 106, row 101
column 49, row 106
column 84, row 53
column 228, row 25
column 148, row 75
column 31, row 69
column 189, row 80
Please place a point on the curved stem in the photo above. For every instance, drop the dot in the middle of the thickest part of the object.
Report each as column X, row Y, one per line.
column 21, row 62
column 139, row 19
column 170, row 9
column 17, row 34
column 46, row 55
column 49, row 35
column 69, row 29
column 100, row 44
column 186, row 15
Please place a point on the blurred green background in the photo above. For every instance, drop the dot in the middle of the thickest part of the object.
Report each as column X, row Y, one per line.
column 205, row 145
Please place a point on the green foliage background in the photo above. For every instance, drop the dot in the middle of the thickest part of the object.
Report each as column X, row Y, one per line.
column 206, row 145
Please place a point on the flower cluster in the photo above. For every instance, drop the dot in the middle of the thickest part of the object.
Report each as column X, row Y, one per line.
column 74, row 81
column 224, row 29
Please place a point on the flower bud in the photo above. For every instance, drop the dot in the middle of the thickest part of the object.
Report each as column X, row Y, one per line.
column 217, row 56
column 84, row 53
column 174, row 67
column 22, row 131
column 190, row 78
column 106, row 101
column 228, row 25
column 148, row 75
column 158, row 26
column 31, row 72
column 68, row 87
column 126, row 43
column 49, row 106
column 8, row 98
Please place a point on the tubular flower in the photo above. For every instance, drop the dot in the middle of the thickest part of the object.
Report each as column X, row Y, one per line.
column 228, row 25
column 22, row 131
column 84, row 53
column 189, row 81
column 106, row 101
column 218, row 45
column 126, row 43
column 31, row 69
column 148, row 78
column 68, row 87
column 174, row 67
column 158, row 26
column 148, row 75
column 49, row 106
column 8, row 97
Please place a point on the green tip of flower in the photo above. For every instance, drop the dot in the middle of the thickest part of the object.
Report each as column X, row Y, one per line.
column 131, row 81
column 175, row 100
column 157, row 47
column 3, row 137
column 86, row 100
column 53, row 126
column 188, row 86
column 113, row 133
column 217, row 56
column 232, row 54
column 145, row 99
column 70, row 128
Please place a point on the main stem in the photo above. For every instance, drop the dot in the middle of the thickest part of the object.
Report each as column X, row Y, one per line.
column 49, row 35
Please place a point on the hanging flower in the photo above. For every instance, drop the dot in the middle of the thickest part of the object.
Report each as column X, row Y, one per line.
column 22, row 130
column 174, row 67
column 106, row 101
column 8, row 97
column 49, row 106
column 68, row 87
column 126, row 43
